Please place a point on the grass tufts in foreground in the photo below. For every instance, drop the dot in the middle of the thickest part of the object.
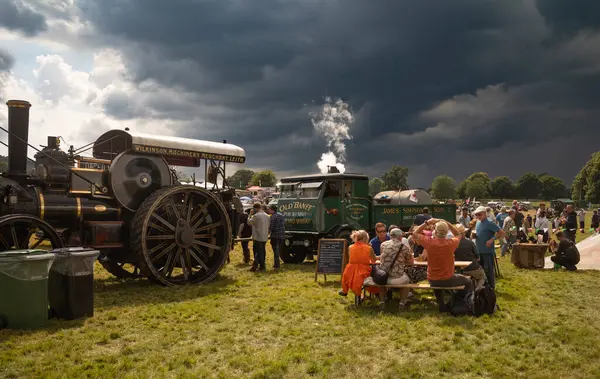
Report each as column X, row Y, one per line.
column 283, row 324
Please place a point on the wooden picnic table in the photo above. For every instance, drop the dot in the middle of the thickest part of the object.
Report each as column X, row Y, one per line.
column 529, row 255
column 461, row 264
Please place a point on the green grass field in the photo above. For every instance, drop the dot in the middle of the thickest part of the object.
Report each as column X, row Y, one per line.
column 284, row 325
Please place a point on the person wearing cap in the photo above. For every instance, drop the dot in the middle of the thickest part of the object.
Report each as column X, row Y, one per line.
column 422, row 217
column 487, row 233
column 440, row 257
column 467, row 251
column 395, row 266
column 277, row 232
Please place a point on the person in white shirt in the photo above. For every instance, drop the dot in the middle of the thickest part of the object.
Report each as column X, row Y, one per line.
column 543, row 225
column 259, row 221
column 581, row 215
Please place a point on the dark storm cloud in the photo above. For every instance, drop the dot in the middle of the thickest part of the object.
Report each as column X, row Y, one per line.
column 18, row 16
column 427, row 79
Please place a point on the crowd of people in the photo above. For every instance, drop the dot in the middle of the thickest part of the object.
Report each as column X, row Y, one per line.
column 436, row 241
column 441, row 243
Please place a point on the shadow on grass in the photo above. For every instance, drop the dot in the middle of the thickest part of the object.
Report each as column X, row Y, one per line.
column 110, row 294
column 52, row 327
column 506, row 296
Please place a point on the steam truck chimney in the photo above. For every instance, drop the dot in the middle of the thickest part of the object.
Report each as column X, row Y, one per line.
column 18, row 128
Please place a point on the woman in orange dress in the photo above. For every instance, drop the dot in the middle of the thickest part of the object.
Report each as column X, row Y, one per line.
column 359, row 265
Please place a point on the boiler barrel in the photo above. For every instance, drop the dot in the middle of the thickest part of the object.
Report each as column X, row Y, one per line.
column 18, row 128
column 61, row 211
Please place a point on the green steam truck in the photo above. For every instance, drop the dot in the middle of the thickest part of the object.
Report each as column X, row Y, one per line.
column 332, row 205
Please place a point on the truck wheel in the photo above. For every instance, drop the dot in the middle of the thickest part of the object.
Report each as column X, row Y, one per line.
column 292, row 256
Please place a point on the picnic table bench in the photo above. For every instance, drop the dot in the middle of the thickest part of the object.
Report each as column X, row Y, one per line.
column 420, row 285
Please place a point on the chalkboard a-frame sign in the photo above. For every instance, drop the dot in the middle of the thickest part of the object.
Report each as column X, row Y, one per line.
column 332, row 257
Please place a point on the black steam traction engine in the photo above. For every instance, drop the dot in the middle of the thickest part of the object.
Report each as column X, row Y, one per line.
column 125, row 201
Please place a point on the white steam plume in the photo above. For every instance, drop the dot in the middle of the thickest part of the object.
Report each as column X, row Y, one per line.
column 333, row 123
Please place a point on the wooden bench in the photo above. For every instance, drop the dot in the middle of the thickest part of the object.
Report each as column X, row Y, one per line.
column 422, row 285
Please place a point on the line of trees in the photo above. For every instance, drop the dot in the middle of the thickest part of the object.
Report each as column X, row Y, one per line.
column 243, row 178
column 480, row 185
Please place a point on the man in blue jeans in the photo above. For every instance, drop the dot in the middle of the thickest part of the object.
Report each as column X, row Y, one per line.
column 277, row 231
column 487, row 232
column 259, row 221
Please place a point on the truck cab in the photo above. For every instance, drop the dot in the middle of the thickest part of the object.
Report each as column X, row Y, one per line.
column 321, row 206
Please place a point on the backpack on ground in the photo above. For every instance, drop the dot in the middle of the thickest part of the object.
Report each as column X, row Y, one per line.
column 484, row 301
column 462, row 304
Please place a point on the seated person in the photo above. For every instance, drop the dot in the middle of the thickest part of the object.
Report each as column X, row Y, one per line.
column 395, row 256
column 382, row 236
column 467, row 251
column 359, row 266
column 566, row 254
column 419, row 250
column 440, row 255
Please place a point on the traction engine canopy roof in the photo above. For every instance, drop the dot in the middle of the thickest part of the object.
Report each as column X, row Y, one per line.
column 177, row 151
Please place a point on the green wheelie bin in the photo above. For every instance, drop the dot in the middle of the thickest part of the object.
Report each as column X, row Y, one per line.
column 24, row 288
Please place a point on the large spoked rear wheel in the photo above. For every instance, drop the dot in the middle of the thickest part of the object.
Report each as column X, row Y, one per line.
column 182, row 235
column 27, row 232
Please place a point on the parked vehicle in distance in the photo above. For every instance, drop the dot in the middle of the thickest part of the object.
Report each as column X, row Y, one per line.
column 559, row 205
column 524, row 205
column 332, row 205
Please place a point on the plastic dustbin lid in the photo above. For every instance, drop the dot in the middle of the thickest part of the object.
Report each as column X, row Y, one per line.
column 79, row 252
column 25, row 255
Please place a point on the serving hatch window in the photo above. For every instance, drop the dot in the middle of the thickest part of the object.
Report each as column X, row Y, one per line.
column 308, row 190
column 288, row 190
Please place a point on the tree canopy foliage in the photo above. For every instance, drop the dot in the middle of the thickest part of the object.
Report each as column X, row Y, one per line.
column 529, row 186
column 375, row 186
column 265, row 178
column 241, row 178
column 552, row 187
column 443, row 187
column 587, row 181
column 482, row 186
column 395, row 179
column 502, row 187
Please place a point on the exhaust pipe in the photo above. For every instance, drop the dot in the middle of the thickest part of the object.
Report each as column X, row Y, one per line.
column 18, row 129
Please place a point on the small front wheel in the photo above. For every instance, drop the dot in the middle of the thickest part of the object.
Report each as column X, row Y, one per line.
column 292, row 256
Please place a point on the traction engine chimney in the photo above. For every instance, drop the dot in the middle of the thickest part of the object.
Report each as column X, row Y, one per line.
column 18, row 128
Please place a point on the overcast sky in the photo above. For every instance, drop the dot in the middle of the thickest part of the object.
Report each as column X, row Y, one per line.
column 443, row 87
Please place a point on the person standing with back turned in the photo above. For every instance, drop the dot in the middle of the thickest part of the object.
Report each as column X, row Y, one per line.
column 259, row 221
column 277, row 231
column 487, row 232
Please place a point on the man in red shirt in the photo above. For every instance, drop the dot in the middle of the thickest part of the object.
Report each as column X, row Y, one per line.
column 440, row 257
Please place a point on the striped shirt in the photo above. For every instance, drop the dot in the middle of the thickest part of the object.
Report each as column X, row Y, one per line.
column 277, row 226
